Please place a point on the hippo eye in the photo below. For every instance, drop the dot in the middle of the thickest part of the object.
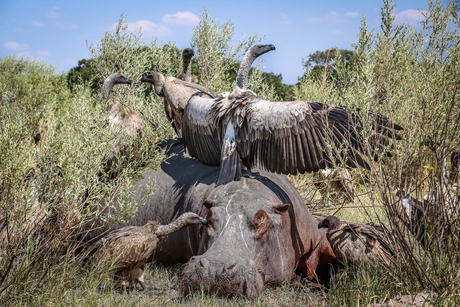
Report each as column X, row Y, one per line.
column 261, row 223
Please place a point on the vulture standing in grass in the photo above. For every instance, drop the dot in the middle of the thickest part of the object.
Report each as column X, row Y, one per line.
column 176, row 93
column 130, row 247
column 357, row 243
column 131, row 123
column 411, row 212
column 239, row 129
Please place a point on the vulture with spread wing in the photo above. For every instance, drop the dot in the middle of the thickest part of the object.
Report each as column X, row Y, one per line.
column 176, row 93
column 238, row 129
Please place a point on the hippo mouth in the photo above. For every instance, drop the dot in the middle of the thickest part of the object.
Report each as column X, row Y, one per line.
column 227, row 280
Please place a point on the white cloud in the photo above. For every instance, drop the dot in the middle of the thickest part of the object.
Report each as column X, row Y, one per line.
column 54, row 15
column 351, row 14
column 37, row 23
column 16, row 46
column 286, row 20
column 181, row 18
column 314, row 19
column 410, row 16
column 63, row 26
column 24, row 54
column 333, row 17
column 43, row 53
column 338, row 32
column 148, row 27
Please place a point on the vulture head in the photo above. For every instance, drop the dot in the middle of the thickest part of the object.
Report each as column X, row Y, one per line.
column 251, row 55
column 257, row 50
column 158, row 80
column 188, row 53
column 331, row 222
column 109, row 83
column 190, row 218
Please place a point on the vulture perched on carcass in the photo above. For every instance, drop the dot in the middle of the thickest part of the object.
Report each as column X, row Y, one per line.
column 238, row 129
column 130, row 247
column 176, row 93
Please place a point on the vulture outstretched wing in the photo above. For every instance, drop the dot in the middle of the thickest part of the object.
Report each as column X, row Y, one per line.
column 201, row 139
column 285, row 137
column 299, row 136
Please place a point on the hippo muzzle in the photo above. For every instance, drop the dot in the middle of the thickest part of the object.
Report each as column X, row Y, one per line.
column 225, row 278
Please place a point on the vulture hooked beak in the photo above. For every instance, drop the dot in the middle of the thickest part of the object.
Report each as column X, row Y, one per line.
column 128, row 81
column 147, row 79
column 203, row 220
column 272, row 47
column 189, row 52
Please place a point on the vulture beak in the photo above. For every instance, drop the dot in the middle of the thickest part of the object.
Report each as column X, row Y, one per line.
column 128, row 81
column 147, row 79
column 189, row 52
column 272, row 47
column 203, row 220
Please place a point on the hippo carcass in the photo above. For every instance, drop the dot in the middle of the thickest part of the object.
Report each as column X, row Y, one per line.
column 259, row 230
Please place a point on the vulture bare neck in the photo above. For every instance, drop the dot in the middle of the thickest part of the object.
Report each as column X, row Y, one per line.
column 106, row 89
column 165, row 230
column 186, row 70
column 243, row 72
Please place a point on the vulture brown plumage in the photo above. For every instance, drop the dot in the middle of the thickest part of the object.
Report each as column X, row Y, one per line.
column 130, row 247
column 176, row 93
column 289, row 137
column 355, row 243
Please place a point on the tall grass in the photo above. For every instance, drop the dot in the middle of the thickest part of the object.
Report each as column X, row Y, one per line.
column 412, row 76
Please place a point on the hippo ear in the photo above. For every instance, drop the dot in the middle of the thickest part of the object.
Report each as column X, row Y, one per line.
column 208, row 203
column 281, row 208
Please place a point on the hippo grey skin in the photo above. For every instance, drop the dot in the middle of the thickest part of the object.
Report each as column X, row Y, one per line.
column 259, row 230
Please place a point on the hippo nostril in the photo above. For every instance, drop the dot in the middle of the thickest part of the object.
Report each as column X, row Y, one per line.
column 231, row 267
column 203, row 262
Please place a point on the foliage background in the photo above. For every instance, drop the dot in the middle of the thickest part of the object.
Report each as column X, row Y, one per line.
column 410, row 75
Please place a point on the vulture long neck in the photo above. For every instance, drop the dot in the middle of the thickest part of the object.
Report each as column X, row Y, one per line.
column 165, row 230
column 243, row 72
column 187, row 69
column 106, row 89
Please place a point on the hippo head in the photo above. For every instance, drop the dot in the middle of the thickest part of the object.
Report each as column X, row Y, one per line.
column 252, row 239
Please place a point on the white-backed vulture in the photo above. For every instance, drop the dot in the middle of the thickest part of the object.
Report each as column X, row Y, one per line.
column 335, row 183
column 239, row 128
column 186, row 74
column 130, row 247
column 176, row 94
column 355, row 243
column 410, row 212
column 132, row 123
column 109, row 83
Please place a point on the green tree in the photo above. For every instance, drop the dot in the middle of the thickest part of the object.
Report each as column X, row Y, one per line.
column 83, row 72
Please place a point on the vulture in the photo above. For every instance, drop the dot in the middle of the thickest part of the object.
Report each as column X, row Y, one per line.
column 335, row 183
column 176, row 93
column 130, row 247
column 411, row 212
column 186, row 74
column 357, row 243
column 131, row 123
column 239, row 129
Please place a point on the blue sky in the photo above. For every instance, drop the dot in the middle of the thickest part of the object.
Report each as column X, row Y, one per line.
column 56, row 31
